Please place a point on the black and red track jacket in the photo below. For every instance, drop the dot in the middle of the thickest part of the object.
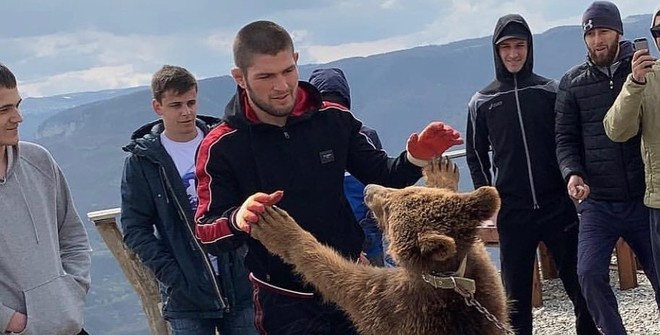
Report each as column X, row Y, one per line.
column 306, row 159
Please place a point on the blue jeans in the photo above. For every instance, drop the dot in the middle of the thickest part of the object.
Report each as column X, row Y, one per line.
column 602, row 223
column 239, row 322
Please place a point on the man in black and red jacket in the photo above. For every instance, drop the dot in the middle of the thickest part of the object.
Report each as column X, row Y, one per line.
column 280, row 144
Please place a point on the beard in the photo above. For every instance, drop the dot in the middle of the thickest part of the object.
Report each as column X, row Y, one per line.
column 267, row 107
column 606, row 59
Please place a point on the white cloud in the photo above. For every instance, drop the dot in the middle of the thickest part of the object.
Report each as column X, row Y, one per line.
column 329, row 53
column 463, row 19
column 94, row 79
column 389, row 4
column 116, row 53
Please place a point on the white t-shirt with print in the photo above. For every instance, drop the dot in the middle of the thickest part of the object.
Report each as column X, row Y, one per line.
column 183, row 155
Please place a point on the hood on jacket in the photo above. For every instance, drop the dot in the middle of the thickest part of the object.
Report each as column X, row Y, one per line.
column 144, row 137
column 501, row 73
column 333, row 85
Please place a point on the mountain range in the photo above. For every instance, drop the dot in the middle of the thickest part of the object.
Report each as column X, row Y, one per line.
column 396, row 93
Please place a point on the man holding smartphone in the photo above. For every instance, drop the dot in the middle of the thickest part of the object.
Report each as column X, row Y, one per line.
column 638, row 107
column 607, row 178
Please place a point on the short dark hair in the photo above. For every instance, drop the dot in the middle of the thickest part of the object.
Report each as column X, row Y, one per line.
column 174, row 78
column 260, row 37
column 7, row 78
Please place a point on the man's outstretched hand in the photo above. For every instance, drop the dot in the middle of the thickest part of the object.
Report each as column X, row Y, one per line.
column 433, row 141
column 253, row 206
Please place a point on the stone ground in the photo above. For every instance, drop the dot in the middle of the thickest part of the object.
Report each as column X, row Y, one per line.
column 637, row 307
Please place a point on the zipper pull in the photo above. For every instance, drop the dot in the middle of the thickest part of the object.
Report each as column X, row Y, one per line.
column 227, row 307
column 286, row 134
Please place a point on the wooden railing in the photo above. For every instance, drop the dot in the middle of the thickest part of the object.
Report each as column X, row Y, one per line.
column 140, row 277
column 144, row 282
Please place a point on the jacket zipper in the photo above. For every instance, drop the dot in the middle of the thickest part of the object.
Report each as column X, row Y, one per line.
column 286, row 133
column 620, row 145
column 524, row 137
column 207, row 264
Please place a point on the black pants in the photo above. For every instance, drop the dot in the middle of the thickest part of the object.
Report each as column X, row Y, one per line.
column 654, row 214
column 279, row 313
column 520, row 231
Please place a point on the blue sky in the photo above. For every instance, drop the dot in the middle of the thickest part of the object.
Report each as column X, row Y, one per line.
column 64, row 46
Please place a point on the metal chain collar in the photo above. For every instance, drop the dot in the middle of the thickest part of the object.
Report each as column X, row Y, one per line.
column 471, row 301
column 466, row 288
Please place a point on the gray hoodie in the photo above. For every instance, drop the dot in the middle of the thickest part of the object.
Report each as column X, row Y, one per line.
column 45, row 253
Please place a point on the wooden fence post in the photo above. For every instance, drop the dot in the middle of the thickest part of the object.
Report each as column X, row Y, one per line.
column 140, row 277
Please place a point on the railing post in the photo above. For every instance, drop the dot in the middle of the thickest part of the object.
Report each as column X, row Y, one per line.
column 138, row 275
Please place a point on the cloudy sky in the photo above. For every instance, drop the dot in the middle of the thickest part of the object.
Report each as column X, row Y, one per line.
column 63, row 46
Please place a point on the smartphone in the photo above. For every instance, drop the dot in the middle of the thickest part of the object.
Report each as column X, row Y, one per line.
column 641, row 44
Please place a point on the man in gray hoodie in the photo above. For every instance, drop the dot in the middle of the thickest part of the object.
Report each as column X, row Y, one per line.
column 45, row 258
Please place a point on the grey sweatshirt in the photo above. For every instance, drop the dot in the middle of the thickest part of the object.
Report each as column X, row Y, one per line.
column 44, row 250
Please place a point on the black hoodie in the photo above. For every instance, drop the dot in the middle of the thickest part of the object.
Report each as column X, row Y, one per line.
column 514, row 115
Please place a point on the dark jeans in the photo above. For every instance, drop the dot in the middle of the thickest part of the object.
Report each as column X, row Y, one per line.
column 602, row 223
column 240, row 323
column 654, row 214
column 279, row 313
column 520, row 231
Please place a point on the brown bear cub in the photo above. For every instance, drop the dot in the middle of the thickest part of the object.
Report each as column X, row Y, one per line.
column 433, row 237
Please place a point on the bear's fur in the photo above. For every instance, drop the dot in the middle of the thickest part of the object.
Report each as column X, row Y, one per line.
column 430, row 231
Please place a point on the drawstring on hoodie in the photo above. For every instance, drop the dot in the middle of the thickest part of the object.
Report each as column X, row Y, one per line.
column 27, row 204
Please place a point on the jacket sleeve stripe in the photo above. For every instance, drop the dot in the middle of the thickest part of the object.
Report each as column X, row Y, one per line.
column 213, row 232
column 205, row 189
column 476, row 144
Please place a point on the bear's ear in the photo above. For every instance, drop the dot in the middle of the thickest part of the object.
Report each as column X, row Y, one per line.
column 436, row 246
column 483, row 203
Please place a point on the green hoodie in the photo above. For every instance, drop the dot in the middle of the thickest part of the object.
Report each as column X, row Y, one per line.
column 45, row 258
column 638, row 107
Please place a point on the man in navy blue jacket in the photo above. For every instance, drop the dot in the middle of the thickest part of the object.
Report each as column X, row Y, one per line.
column 280, row 144
column 200, row 294
column 514, row 116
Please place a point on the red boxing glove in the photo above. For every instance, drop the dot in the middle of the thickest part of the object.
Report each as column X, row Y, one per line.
column 433, row 141
column 253, row 206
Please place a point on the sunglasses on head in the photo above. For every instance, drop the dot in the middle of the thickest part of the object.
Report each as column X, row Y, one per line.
column 655, row 31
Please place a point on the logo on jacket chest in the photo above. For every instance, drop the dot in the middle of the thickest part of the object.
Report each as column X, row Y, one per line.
column 327, row 156
column 495, row 105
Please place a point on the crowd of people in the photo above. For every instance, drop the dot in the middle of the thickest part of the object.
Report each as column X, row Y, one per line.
column 576, row 163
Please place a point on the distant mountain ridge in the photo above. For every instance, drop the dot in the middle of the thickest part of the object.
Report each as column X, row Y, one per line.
column 396, row 93
column 37, row 110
